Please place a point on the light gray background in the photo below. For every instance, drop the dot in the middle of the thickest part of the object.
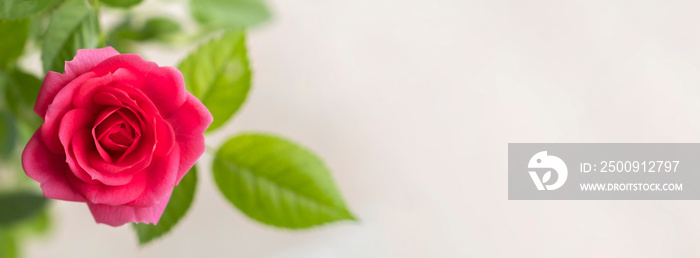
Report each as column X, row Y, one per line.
column 412, row 104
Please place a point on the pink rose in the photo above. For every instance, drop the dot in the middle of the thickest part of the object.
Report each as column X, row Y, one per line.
column 119, row 133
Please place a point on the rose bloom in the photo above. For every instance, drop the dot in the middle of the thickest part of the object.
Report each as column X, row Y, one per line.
column 119, row 133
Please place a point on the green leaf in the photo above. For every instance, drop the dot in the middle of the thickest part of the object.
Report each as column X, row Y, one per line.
column 180, row 202
column 14, row 35
column 277, row 182
column 218, row 74
column 73, row 26
column 21, row 92
column 8, row 134
column 121, row 3
column 19, row 206
column 18, row 9
column 159, row 28
column 8, row 245
column 41, row 224
column 120, row 37
column 230, row 14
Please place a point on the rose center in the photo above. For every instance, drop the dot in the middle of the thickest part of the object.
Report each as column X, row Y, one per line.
column 117, row 133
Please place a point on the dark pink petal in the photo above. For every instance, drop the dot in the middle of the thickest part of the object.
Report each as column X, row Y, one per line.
column 189, row 123
column 74, row 122
column 48, row 169
column 81, row 147
column 119, row 215
column 106, row 99
column 102, row 129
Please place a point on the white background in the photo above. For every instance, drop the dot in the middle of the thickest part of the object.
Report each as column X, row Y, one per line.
column 412, row 103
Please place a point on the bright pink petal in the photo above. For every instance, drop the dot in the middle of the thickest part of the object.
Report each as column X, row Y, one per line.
column 165, row 137
column 86, row 59
column 88, row 174
column 74, row 122
column 58, row 108
column 165, row 87
column 189, row 123
column 160, row 179
column 49, row 170
column 132, row 62
column 119, row 215
column 54, row 82
column 82, row 98
column 115, row 194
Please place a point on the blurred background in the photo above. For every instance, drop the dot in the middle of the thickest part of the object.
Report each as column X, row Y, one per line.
column 412, row 103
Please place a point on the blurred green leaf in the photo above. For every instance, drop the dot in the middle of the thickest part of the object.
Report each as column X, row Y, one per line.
column 121, row 35
column 180, row 202
column 21, row 92
column 41, row 223
column 230, row 14
column 121, row 3
column 159, row 28
column 18, row 206
column 8, row 134
column 18, row 9
column 8, row 245
column 218, row 74
column 73, row 26
column 277, row 182
column 37, row 27
column 14, row 36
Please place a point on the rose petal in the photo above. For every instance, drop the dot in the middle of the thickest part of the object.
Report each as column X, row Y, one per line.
column 189, row 123
column 85, row 59
column 54, row 82
column 83, row 95
column 132, row 62
column 102, row 127
column 165, row 137
column 58, row 108
column 74, row 122
column 160, row 179
column 111, row 195
column 49, row 170
column 119, row 215
column 87, row 95
column 81, row 146
column 166, row 88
